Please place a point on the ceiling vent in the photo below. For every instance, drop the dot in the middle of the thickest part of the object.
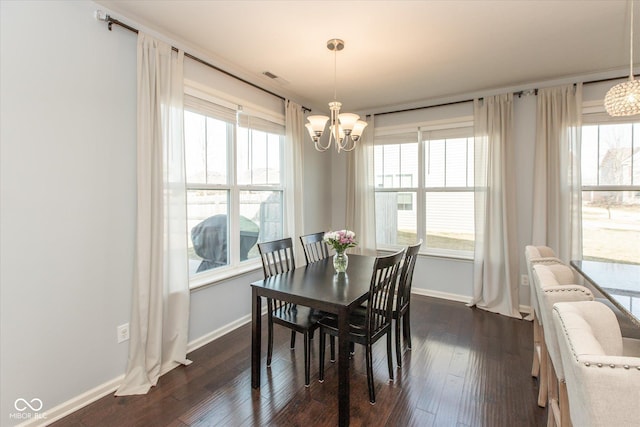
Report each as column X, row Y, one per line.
column 274, row 77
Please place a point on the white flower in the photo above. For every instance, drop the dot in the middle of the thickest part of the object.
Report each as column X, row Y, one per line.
column 340, row 240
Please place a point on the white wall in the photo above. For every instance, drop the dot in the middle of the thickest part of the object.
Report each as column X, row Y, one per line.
column 524, row 113
column 68, row 155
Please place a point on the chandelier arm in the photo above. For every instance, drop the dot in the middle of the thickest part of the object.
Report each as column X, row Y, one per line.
column 353, row 145
column 340, row 144
column 321, row 147
column 332, row 138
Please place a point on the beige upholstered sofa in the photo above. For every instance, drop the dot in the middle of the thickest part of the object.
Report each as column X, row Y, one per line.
column 555, row 283
column 602, row 370
column 538, row 255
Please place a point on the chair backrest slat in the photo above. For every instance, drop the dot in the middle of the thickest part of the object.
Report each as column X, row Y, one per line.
column 381, row 290
column 277, row 256
column 315, row 248
column 406, row 275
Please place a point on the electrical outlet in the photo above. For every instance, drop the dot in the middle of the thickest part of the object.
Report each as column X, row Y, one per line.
column 524, row 280
column 123, row 333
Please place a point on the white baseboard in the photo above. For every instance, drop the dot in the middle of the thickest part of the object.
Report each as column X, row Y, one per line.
column 459, row 298
column 84, row 399
column 525, row 309
column 442, row 295
column 72, row 405
column 212, row 336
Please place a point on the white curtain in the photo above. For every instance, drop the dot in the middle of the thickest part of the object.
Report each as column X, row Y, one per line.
column 360, row 210
column 495, row 281
column 294, row 138
column 160, row 306
column 557, row 198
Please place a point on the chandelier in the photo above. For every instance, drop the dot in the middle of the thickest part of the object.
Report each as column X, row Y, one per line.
column 345, row 129
column 624, row 98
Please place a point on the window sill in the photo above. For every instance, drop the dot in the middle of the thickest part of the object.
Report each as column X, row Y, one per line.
column 224, row 274
column 454, row 257
column 448, row 255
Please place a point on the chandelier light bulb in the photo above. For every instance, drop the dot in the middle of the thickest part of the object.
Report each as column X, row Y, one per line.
column 317, row 123
column 348, row 121
column 358, row 128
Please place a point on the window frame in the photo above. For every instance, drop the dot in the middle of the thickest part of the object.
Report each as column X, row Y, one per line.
column 235, row 266
column 594, row 115
column 452, row 127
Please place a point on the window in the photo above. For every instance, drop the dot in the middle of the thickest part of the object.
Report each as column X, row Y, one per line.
column 396, row 178
column 405, row 202
column 234, row 185
column 424, row 187
column 610, row 169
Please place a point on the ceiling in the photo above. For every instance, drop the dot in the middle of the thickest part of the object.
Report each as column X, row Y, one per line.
column 396, row 52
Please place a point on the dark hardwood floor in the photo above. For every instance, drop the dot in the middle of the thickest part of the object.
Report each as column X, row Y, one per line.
column 467, row 368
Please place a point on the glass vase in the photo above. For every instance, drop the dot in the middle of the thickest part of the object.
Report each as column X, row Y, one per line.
column 340, row 262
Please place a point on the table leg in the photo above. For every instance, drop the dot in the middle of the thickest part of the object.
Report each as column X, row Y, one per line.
column 343, row 368
column 256, row 334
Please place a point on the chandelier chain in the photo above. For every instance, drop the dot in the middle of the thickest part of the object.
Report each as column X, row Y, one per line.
column 335, row 75
column 631, row 46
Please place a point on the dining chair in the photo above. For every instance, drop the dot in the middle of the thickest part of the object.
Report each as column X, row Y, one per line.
column 315, row 248
column 538, row 255
column 375, row 323
column 602, row 369
column 277, row 257
column 402, row 305
column 555, row 283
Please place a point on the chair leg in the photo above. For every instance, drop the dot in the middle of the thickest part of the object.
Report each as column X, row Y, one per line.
column 543, row 382
column 565, row 415
column 389, row 356
column 372, row 391
column 397, row 336
column 269, row 339
column 332, row 343
column 406, row 322
column 293, row 340
column 535, row 367
column 322, row 344
column 307, row 358
column 553, row 407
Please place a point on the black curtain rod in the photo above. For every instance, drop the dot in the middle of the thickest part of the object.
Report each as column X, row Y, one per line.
column 518, row 93
column 112, row 21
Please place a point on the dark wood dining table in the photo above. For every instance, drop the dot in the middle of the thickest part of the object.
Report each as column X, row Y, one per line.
column 619, row 282
column 318, row 286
